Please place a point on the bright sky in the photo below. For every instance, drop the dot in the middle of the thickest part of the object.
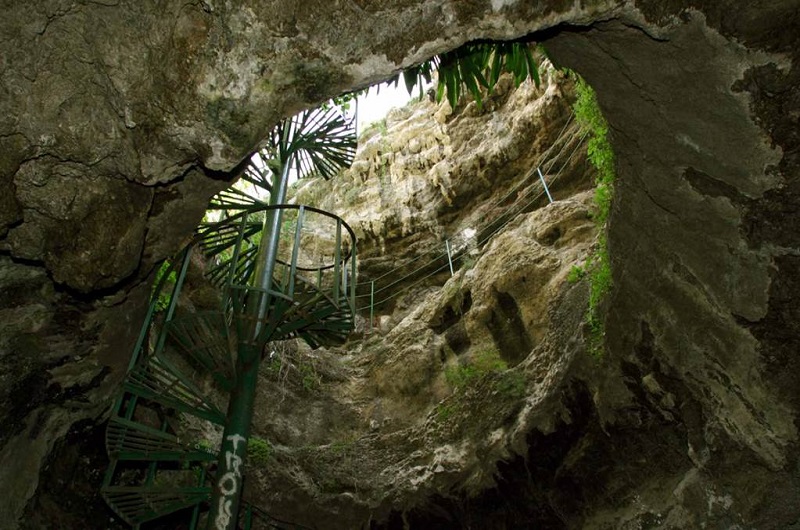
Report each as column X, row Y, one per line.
column 375, row 105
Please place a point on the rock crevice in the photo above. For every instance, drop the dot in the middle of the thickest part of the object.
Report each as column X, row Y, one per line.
column 111, row 116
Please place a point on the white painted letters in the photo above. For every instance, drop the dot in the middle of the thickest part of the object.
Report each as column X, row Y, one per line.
column 229, row 482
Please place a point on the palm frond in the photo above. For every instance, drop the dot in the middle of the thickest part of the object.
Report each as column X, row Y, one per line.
column 234, row 199
column 257, row 171
column 473, row 68
column 317, row 141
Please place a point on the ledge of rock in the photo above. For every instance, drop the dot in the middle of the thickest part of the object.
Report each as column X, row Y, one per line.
column 119, row 120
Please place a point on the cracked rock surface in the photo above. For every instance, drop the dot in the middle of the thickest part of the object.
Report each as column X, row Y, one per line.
column 119, row 120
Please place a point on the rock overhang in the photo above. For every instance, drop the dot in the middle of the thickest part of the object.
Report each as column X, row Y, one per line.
column 149, row 102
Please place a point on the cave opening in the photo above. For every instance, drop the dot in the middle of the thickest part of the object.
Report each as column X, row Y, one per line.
column 733, row 118
column 227, row 344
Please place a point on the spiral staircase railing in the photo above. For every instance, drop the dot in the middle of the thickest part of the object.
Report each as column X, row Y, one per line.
column 185, row 361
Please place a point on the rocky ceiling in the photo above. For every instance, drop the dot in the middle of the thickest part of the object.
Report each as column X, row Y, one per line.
column 119, row 119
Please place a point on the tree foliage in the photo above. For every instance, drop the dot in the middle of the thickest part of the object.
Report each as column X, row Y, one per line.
column 166, row 276
column 472, row 68
column 259, row 451
column 315, row 142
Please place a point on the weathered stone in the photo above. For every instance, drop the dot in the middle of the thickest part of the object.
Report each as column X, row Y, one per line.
column 416, row 183
column 693, row 257
column 702, row 100
column 88, row 231
column 394, row 431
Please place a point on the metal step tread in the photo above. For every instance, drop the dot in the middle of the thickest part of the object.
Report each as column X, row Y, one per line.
column 139, row 504
column 130, row 440
column 157, row 380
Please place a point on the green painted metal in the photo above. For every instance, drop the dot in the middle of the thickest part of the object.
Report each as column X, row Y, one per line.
column 248, row 517
column 205, row 338
column 259, row 319
column 336, row 259
column 298, row 229
column 125, row 404
column 371, row 303
column 139, row 494
column 158, row 380
column 136, row 505
column 268, row 293
column 353, row 283
column 130, row 440
column 196, row 510
column 228, row 485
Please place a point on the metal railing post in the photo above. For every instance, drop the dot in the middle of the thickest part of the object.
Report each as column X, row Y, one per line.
column 345, row 270
column 173, row 301
column 337, row 256
column 371, row 303
column 296, row 250
column 353, row 277
column 449, row 256
column 544, row 184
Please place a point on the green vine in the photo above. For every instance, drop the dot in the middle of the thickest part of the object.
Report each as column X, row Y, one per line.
column 601, row 156
column 165, row 294
column 309, row 378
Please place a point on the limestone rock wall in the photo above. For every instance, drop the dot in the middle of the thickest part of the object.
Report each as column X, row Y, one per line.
column 118, row 120
column 428, row 176
column 698, row 275
column 384, row 424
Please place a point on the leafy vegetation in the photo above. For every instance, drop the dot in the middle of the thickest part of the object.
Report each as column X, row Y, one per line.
column 345, row 100
column 285, row 365
column 342, row 446
column 601, row 156
column 600, row 283
column 379, row 128
column 309, row 378
column 576, row 274
column 511, row 384
column 473, row 67
column 164, row 294
column 444, row 412
column 259, row 451
column 204, row 445
column 479, row 365
column 351, row 197
column 274, row 364
column 313, row 143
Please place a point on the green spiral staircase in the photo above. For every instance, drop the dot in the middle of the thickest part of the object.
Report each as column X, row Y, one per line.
column 279, row 271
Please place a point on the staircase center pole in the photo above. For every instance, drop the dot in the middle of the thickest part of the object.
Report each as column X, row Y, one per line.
column 227, row 493
column 270, row 239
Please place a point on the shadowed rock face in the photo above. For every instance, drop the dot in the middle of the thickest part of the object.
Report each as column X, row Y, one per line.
column 117, row 122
